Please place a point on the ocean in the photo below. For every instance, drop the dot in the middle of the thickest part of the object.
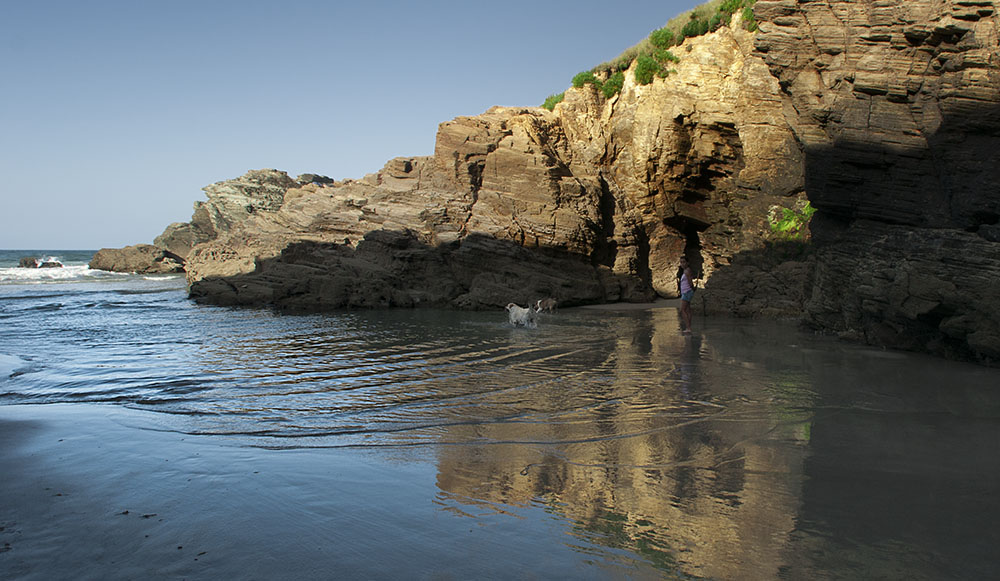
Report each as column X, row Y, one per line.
column 450, row 444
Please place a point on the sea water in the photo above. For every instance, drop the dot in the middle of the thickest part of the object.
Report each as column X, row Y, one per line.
column 619, row 446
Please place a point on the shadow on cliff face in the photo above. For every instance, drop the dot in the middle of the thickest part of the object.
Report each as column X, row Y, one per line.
column 394, row 269
column 906, row 243
column 908, row 240
column 950, row 180
column 773, row 282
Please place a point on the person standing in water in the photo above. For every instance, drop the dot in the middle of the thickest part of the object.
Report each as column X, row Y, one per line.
column 687, row 292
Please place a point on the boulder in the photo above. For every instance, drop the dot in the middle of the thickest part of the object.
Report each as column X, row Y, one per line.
column 28, row 262
column 140, row 258
column 311, row 178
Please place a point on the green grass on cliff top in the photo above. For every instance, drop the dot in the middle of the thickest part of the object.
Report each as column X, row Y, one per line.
column 675, row 25
column 652, row 52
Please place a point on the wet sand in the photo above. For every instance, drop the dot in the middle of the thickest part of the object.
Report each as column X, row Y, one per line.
column 658, row 304
column 97, row 492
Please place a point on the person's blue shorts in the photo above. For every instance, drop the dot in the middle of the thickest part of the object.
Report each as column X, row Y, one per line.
column 687, row 296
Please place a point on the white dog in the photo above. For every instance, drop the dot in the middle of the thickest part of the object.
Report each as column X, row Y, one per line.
column 548, row 304
column 521, row 316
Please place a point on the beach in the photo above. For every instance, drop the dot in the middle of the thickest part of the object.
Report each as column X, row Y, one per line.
column 92, row 493
column 143, row 436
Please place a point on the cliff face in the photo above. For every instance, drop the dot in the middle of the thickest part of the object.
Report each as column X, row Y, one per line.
column 896, row 106
column 593, row 202
column 229, row 203
column 883, row 114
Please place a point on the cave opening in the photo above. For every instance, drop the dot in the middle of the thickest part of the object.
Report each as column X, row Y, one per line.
column 692, row 250
column 690, row 230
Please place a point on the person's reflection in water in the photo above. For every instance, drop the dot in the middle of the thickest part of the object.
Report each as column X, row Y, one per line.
column 686, row 283
column 688, row 365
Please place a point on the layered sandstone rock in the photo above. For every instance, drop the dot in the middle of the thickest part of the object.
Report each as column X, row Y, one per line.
column 593, row 202
column 229, row 203
column 897, row 108
column 693, row 163
column 883, row 114
column 428, row 231
column 140, row 258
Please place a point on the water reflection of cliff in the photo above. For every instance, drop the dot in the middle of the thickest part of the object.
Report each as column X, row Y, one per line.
column 692, row 461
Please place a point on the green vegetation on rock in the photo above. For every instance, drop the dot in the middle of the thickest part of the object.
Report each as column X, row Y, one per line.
column 613, row 85
column 649, row 66
column 581, row 79
column 662, row 38
column 652, row 55
column 553, row 100
column 646, row 67
column 749, row 21
column 791, row 225
column 695, row 27
column 665, row 56
column 703, row 19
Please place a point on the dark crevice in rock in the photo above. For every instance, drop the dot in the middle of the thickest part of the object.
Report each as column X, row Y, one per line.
column 607, row 247
column 692, row 250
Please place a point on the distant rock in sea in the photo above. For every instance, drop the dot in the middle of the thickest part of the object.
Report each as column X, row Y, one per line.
column 34, row 262
column 140, row 258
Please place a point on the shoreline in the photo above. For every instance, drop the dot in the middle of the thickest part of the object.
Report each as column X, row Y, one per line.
column 101, row 491
column 98, row 491
column 657, row 304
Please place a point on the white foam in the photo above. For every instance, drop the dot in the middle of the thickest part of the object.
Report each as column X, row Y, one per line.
column 83, row 273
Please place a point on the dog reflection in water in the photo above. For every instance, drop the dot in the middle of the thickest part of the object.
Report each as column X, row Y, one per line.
column 522, row 316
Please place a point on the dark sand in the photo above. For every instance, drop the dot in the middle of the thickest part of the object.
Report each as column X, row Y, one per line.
column 102, row 492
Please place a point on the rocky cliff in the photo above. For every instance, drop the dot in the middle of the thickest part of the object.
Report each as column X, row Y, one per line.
column 592, row 202
column 229, row 203
column 896, row 107
column 884, row 115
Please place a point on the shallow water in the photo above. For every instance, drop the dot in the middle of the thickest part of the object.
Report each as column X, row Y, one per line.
column 749, row 450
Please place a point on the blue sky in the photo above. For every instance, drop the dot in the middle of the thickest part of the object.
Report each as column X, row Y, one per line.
column 114, row 115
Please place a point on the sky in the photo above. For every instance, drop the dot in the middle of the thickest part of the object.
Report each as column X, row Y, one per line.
column 115, row 114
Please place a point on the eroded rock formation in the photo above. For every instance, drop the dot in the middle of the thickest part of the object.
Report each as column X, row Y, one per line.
column 896, row 106
column 139, row 258
column 229, row 203
column 593, row 202
column 883, row 114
